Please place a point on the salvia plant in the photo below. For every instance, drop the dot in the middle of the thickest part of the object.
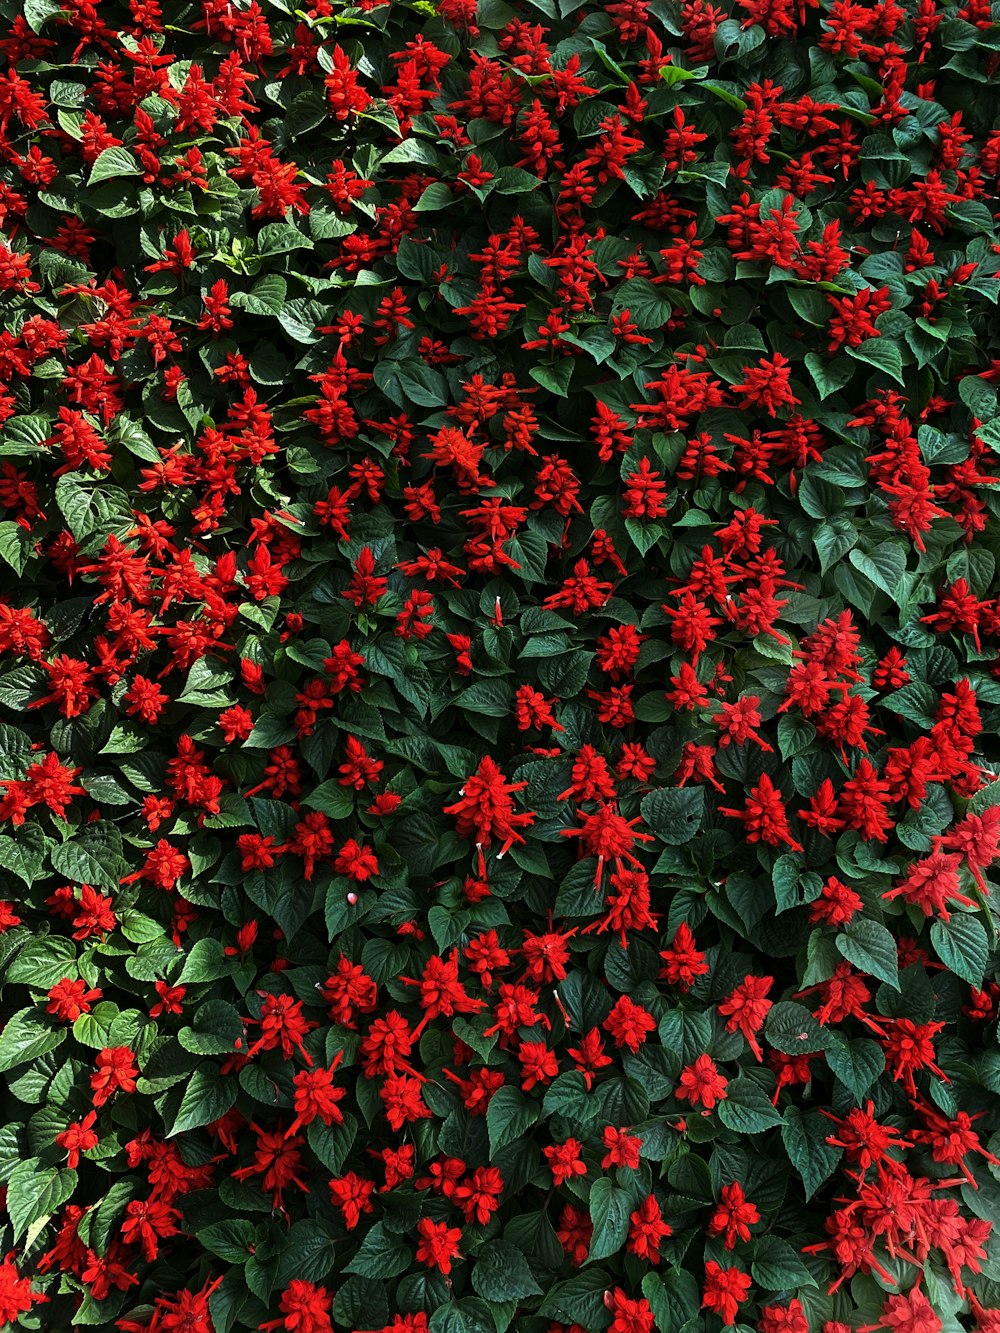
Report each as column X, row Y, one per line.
column 499, row 666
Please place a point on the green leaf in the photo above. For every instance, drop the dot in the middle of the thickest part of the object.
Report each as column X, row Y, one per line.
column 489, row 698
column 16, row 545
column 267, row 296
column 215, row 1030
column 871, row 948
column 555, row 377
column 331, row 799
column 978, row 396
column 791, row 1028
column 24, row 855
column 674, row 813
column 108, row 1210
column 884, row 566
column 207, row 1097
column 579, row 1300
column 882, row 354
column 778, row 1267
column 508, row 1116
column 93, row 856
column 502, row 1273
column 609, row 1212
column 205, row 961
column 333, row 1143
column 112, row 163
column 648, row 307
column 674, row 74
column 434, row 198
column 795, row 735
column 43, row 961
column 103, row 508
column 916, row 702
column 804, row 1136
column 672, row 1298
column 828, row 376
column 35, row 1192
column 962, row 946
column 309, row 1252
column 469, row 1316
column 856, row 1063
column 833, row 539
column 232, row 1239
column 38, row 12
column 26, row 1036
column 381, row 1255
column 411, row 381
column 747, row 1109
column 279, row 238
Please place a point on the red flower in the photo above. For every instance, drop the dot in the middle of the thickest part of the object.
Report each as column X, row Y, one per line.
column 764, row 818
column 316, row 1097
column 574, row 1233
column 439, row 1244
column 610, row 837
column 16, row 1296
column 909, row 1048
column 352, row 1195
column 733, row 1217
column 629, row 1024
column 725, row 1290
column 69, row 999
column 564, row 1160
column 282, row 1025
column 647, row 1229
column 629, row 1315
column 623, row 1149
column 684, row 962
column 909, row 1313
column 485, row 810
column 701, row 1084
column 479, row 1194
column 116, row 1072
column 306, row 1309
column 344, row 93
column 747, row 1008
column 78, row 1137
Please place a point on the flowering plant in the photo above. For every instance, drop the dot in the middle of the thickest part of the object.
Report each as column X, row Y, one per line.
column 499, row 666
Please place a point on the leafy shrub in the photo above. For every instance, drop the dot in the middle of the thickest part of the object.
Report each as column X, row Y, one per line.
column 499, row 666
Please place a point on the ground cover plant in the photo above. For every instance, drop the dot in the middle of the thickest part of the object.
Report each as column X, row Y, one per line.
column 499, row 666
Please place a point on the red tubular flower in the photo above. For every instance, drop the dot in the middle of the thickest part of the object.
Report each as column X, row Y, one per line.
column 976, row 839
column 439, row 1244
column 116, row 1072
column 747, row 1007
column 305, row 1307
column 909, row 1048
column 609, row 836
column 16, row 1296
column 78, row 1137
column 485, row 810
column 441, row 992
column 564, row 1160
column 629, row 1314
column 733, row 1217
column 316, row 1097
column 684, row 962
column 764, row 818
column 725, row 1290
column 282, row 1026
column 701, row 1084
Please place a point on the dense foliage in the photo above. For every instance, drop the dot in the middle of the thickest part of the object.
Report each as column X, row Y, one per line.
column 498, row 671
